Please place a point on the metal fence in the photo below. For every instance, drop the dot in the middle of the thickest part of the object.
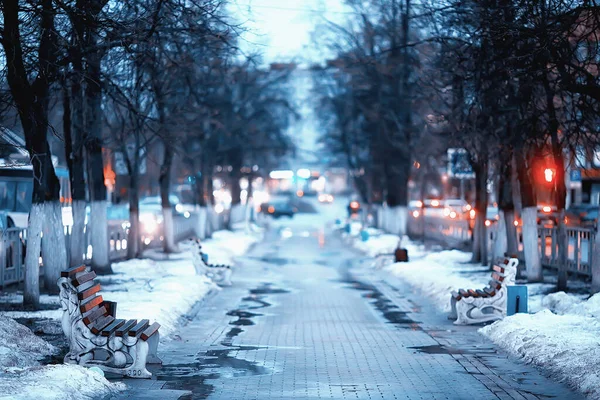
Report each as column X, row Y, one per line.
column 14, row 240
column 453, row 232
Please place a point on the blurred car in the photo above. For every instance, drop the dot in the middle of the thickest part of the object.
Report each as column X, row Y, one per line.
column 547, row 214
column 415, row 208
column 325, row 198
column 432, row 203
column 278, row 209
column 492, row 215
column 583, row 215
column 456, row 208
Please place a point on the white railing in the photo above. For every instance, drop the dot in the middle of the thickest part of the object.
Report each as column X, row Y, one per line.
column 580, row 241
column 13, row 245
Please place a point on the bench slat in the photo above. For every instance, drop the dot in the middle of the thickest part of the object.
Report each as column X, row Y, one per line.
column 490, row 291
column 500, row 269
column 80, row 280
column 151, row 330
column 498, row 277
column 72, row 271
column 93, row 315
column 101, row 323
column 139, row 328
column 123, row 329
column 91, row 303
column 106, row 331
column 89, row 292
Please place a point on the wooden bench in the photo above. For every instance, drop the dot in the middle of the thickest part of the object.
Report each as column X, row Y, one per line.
column 219, row 273
column 96, row 337
column 474, row 306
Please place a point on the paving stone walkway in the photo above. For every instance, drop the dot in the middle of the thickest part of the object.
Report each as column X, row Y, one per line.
column 301, row 323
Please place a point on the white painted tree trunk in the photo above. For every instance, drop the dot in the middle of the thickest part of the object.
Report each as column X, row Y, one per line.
column 169, row 231
column 77, row 246
column 54, row 249
column 31, row 292
column 530, row 245
column 98, row 226
column 380, row 211
column 397, row 220
column 201, row 213
column 211, row 220
column 500, row 244
column 596, row 263
column 237, row 215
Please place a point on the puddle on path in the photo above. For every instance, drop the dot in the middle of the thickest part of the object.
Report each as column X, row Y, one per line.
column 384, row 305
column 267, row 288
column 217, row 363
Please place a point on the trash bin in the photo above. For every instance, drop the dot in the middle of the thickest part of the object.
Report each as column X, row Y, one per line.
column 517, row 299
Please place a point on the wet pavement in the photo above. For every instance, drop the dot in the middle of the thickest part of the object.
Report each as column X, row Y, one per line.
column 304, row 320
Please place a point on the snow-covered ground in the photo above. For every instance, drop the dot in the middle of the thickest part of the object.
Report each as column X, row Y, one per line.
column 561, row 333
column 160, row 288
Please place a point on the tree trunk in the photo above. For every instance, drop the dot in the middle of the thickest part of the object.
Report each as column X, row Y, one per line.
column 73, row 129
column 54, row 250
column 512, row 247
column 95, row 165
column 500, row 244
column 529, row 217
column 397, row 171
column 31, row 291
column 134, row 238
column 480, row 250
column 201, row 215
column 506, row 204
column 559, row 187
column 164, row 180
column 78, row 243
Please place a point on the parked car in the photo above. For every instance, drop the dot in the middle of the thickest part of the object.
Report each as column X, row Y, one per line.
column 278, row 209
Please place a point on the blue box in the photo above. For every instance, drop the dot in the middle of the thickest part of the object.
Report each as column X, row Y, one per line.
column 517, row 299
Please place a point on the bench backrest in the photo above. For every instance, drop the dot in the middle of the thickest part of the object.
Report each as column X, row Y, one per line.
column 506, row 271
column 80, row 297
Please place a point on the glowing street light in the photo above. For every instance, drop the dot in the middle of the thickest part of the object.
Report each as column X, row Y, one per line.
column 549, row 175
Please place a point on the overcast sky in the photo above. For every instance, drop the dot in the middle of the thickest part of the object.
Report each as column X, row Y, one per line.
column 282, row 30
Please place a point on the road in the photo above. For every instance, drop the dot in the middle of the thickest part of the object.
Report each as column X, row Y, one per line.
column 305, row 320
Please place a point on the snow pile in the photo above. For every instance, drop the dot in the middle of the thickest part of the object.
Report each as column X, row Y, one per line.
column 166, row 289
column 568, row 346
column 56, row 382
column 19, row 347
column 160, row 290
column 381, row 244
column 438, row 274
column 226, row 245
column 21, row 377
column 156, row 290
